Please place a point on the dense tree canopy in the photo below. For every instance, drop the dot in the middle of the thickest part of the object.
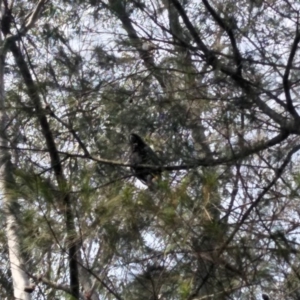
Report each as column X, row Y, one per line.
column 212, row 86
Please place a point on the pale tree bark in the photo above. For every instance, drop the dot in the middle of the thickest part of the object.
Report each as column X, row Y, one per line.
column 20, row 280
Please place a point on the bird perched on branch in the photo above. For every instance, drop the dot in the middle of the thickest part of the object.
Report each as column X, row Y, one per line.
column 142, row 154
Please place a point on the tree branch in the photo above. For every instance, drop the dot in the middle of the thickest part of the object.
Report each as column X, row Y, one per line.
column 118, row 8
column 33, row 94
column 255, row 203
column 286, row 84
column 205, row 162
column 34, row 16
column 244, row 84
column 229, row 31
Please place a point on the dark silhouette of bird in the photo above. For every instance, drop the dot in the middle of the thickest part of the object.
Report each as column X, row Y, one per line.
column 142, row 154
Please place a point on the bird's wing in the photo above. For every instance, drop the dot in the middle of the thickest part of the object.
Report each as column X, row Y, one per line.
column 151, row 156
column 135, row 158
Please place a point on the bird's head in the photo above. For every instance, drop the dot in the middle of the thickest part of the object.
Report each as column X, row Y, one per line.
column 136, row 141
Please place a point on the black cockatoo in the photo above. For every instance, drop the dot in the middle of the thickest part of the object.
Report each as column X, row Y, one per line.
column 142, row 154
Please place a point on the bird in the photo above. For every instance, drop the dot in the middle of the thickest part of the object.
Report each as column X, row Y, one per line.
column 142, row 154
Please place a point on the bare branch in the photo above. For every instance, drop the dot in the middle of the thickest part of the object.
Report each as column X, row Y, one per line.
column 212, row 60
column 34, row 16
column 254, row 204
column 286, row 85
column 229, row 31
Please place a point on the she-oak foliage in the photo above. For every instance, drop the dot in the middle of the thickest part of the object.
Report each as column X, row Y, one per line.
column 214, row 85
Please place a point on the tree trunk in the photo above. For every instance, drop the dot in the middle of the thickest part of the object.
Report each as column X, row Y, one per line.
column 9, row 201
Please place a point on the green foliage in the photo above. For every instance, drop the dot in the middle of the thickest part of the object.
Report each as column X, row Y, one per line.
column 184, row 289
column 212, row 87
